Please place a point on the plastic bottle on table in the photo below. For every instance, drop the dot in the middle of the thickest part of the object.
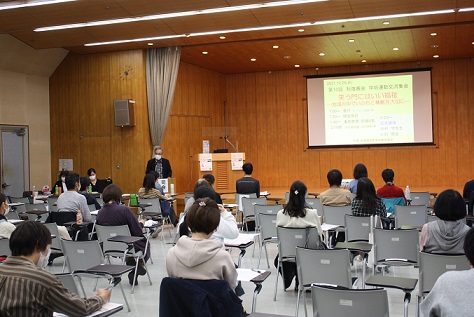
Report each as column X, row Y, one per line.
column 79, row 217
column 407, row 193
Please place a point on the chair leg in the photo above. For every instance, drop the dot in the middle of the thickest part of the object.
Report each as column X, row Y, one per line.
column 418, row 306
column 298, row 301
column 125, row 297
column 305, row 309
column 135, row 274
column 146, row 268
column 276, row 281
column 266, row 255
column 82, row 286
column 260, row 255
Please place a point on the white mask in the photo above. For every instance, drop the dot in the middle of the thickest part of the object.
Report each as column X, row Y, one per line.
column 63, row 179
column 158, row 157
column 43, row 260
column 7, row 210
column 92, row 177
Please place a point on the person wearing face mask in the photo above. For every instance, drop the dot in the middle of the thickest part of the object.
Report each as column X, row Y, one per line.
column 26, row 289
column 61, row 183
column 71, row 200
column 6, row 228
column 98, row 185
column 159, row 164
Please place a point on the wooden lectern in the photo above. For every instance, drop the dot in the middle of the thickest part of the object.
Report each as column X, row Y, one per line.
column 222, row 171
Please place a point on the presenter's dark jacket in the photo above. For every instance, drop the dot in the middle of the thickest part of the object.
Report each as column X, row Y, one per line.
column 166, row 167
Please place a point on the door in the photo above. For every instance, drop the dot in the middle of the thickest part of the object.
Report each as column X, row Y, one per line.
column 14, row 160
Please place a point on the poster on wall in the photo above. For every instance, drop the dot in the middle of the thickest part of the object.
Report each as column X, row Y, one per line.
column 237, row 160
column 66, row 164
column 205, row 162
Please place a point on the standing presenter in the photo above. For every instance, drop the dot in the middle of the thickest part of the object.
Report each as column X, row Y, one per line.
column 159, row 164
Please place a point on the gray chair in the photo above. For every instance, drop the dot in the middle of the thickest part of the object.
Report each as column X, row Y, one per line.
column 248, row 208
column 12, row 215
column 83, row 255
column 52, row 203
column 21, row 208
column 330, row 301
column 69, row 282
column 268, row 233
column 41, row 207
column 288, row 240
column 410, row 216
column 321, row 266
column 315, row 203
column 433, row 266
column 5, row 247
column 357, row 228
column 266, row 209
column 335, row 214
column 121, row 249
column 154, row 212
column 420, row 198
column 56, row 245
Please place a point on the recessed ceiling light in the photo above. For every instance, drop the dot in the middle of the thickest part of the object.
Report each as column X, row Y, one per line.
column 300, row 30
column 386, row 22
column 351, row 40
column 222, row 37
column 275, row 46
column 395, row 48
column 363, row 61
column 17, row 5
column 286, row 57
column 434, row 34
column 150, row 44
column 472, row 43
column 205, row 53
column 434, row 46
column 321, row 54
column 297, row 65
column 253, row 59
column 435, row 56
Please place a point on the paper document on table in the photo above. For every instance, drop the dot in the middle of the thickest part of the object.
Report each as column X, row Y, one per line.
column 94, row 212
column 327, row 227
column 13, row 221
column 246, row 275
column 243, row 238
column 265, row 193
column 105, row 308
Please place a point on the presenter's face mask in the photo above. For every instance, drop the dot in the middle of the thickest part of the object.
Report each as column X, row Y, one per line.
column 63, row 179
column 43, row 260
column 158, row 157
column 92, row 177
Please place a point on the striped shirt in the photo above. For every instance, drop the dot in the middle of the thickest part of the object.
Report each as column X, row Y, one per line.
column 27, row 291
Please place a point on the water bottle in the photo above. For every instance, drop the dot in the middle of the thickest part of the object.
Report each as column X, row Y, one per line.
column 79, row 217
column 172, row 189
column 407, row 193
column 35, row 193
column 90, row 188
column 56, row 190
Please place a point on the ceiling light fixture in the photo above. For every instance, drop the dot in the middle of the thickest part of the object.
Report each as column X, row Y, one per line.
column 351, row 40
column 205, row 53
column 297, row 65
column 434, row 46
column 395, row 48
column 150, row 44
column 363, row 61
column 466, row 9
column 32, row 4
column 435, row 56
column 273, row 27
column 253, row 59
column 222, row 37
column 434, row 34
column 386, row 22
column 275, row 46
column 321, row 54
column 177, row 14
column 300, row 30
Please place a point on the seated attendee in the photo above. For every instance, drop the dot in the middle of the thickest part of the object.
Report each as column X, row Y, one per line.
column 91, row 200
column 6, row 228
column 211, row 180
column 247, row 184
column 198, row 257
column 453, row 291
column 157, row 183
column 159, row 164
column 71, row 200
column 468, row 189
column 359, row 171
column 115, row 214
column 366, row 201
column 446, row 235
column 296, row 214
column 61, row 183
column 26, row 289
column 227, row 228
column 335, row 195
column 149, row 191
column 389, row 190
column 98, row 185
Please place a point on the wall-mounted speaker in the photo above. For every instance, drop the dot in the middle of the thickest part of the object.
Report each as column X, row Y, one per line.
column 124, row 113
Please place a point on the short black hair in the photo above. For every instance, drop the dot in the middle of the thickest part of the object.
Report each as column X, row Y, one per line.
column 360, row 171
column 63, row 173
column 148, row 182
column 469, row 245
column 85, row 182
column 334, row 177
column 247, row 168
column 3, row 198
column 388, row 175
column 112, row 193
column 90, row 171
column 71, row 180
column 28, row 237
column 203, row 216
column 201, row 183
column 210, row 178
column 155, row 174
column 450, row 206
column 203, row 192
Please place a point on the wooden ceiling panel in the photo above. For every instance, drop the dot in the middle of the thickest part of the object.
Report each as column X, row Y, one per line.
column 146, row 7
column 16, row 20
column 60, row 39
column 366, row 8
column 386, row 41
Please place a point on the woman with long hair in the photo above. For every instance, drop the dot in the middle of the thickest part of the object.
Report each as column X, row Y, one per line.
column 366, row 201
column 359, row 171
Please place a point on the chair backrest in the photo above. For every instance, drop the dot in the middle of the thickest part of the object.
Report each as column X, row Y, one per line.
column 268, row 227
column 100, row 201
column 155, row 207
column 434, row 265
column 106, row 232
column 331, row 301
column 248, row 205
column 396, row 244
column 238, row 199
column 82, row 255
column 267, row 209
column 323, row 266
column 5, row 247
column 414, row 216
column 61, row 217
column 24, row 200
column 315, row 203
column 334, row 215
column 357, row 228
column 36, row 207
column 420, row 198
column 51, row 203
column 68, row 281
column 290, row 238
column 55, row 242
column 92, row 207
column 12, row 215
column 390, row 203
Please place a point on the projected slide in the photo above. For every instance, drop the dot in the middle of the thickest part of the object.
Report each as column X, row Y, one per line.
column 371, row 109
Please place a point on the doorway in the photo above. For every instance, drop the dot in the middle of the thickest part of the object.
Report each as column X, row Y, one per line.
column 14, row 158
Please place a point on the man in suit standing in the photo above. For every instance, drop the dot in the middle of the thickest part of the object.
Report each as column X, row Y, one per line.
column 159, row 164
